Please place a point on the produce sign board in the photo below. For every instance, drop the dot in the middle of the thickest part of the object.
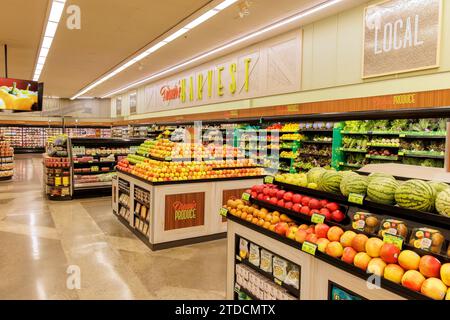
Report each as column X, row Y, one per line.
column 317, row 218
column 223, row 212
column 309, row 247
column 356, row 198
column 184, row 210
column 245, row 196
column 268, row 179
column 395, row 31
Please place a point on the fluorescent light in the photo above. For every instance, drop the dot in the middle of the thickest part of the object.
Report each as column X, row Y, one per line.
column 176, row 34
column 201, row 19
column 225, row 4
column 229, row 45
column 56, row 11
column 51, row 29
column 54, row 17
column 47, row 42
column 207, row 15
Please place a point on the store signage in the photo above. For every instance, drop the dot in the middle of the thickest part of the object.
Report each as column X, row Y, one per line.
column 405, row 99
column 170, row 93
column 184, row 210
column 396, row 240
column 267, row 68
column 401, row 36
column 356, row 198
column 317, row 218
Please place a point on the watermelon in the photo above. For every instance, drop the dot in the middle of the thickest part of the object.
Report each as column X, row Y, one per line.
column 382, row 190
column 416, row 194
column 375, row 175
column 354, row 183
column 438, row 186
column 313, row 175
column 443, row 202
column 330, row 181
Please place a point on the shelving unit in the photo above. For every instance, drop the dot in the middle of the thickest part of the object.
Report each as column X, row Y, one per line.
column 6, row 160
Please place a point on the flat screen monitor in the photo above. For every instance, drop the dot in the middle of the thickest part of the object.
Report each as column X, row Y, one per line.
column 20, row 95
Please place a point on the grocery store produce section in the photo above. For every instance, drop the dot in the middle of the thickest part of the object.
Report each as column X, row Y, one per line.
column 344, row 231
column 168, row 193
column 33, row 139
column 6, row 160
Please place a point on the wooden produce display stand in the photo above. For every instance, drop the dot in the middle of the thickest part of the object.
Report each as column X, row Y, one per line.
column 177, row 212
column 323, row 277
column 318, row 278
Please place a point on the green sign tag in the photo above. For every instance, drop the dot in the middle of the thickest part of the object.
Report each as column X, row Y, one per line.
column 168, row 159
column 238, row 258
column 278, row 281
column 401, row 153
column 309, row 247
column 245, row 196
column 237, row 288
column 396, row 240
column 356, row 198
column 223, row 212
column 268, row 179
column 402, row 135
column 317, row 218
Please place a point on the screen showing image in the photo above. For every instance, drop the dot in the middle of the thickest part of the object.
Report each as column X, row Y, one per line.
column 337, row 292
column 20, row 95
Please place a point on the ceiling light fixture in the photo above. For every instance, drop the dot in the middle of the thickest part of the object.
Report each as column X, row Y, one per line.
column 50, row 31
column 271, row 27
column 204, row 17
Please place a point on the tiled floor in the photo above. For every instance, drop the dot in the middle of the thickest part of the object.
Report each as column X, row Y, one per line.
column 42, row 241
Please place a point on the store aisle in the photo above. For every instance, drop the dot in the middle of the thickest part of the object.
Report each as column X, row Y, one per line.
column 41, row 239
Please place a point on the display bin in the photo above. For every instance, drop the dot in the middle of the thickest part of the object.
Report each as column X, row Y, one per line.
column 180, row 212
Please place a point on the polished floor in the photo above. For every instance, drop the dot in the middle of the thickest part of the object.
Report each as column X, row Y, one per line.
column 79, row 250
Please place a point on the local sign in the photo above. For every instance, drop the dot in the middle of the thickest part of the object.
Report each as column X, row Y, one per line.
column 401, row 36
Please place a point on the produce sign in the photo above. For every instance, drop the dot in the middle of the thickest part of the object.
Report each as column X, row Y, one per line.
column 184, row 210
column 20, row 95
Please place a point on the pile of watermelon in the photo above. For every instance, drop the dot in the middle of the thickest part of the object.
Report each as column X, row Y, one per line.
column 427, row 196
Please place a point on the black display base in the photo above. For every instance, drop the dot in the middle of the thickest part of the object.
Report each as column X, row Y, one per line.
column 6, row 178
column 58, row 198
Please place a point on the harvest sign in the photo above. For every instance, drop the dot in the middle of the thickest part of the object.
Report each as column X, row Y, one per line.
column 401, row 36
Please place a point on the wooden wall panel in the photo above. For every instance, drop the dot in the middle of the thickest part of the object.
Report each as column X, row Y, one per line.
column 184, row 210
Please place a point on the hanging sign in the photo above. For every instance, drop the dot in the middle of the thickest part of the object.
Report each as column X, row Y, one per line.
column 401, row 36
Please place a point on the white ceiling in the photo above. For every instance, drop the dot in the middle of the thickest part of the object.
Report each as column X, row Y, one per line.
column 114, row 30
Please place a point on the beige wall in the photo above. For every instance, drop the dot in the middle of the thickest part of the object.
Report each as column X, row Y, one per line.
column 332, row 60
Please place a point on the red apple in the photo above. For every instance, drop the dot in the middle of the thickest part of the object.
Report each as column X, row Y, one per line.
column 348, row 255
column 321, row 230
column 304, row 210
column 323, row 202
column 389, row 253
column 296, row 198
column 266, row 198
column 259, row 188
column 314, row 204
column 311, row 237
column 288, row 196
column 280, row 194
column 280, row 203
column 273, row 192
column 266, row 191
column 255, row 188
column 281, row 228
column 332, row 206
column 260, row 196
column 273, row 200
column 305, row 201
column 310, row 230
column 288, row 205
column 337, row 215
column 429, row 266
column 313, row 211
column 297, row 207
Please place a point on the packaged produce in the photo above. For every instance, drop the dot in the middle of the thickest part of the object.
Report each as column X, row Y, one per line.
column 394, row 227
column 280, row 268
column 266, row 261
column 243, row 248
column 293, row 276
column 365, row 221
column 427, row 239
column 254, row 257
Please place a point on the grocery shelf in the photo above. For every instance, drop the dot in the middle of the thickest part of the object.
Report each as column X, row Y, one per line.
column 317, row 142
column 245, row 291
column 370, row 144
column 291, row 289
column 422, row 155
column 6, row 178
column 385, row 284
column 315, row 154
column 394, row 158
column 353, row 150
column 424, row 136
column 91, row 163
column 315, row 130
column 351, row 165
column 92, row 185
column 384, row 133
column 430, row 218
column 93, row 172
